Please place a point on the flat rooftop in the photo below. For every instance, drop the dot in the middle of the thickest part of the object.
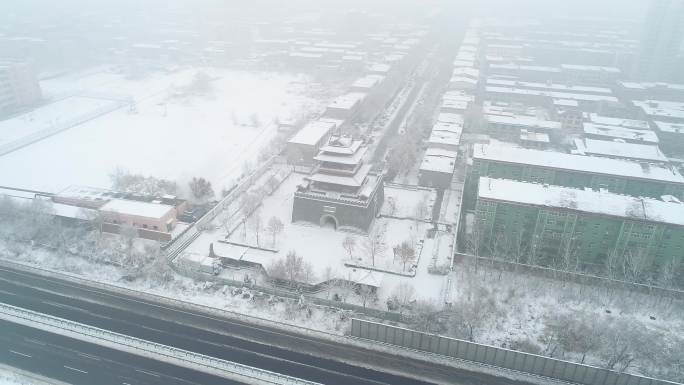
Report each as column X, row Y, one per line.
column 447, row 117
column 661, row 109
column 523, row 121
column 617, row 149
column 551, row 94
column 348, row 101
column 576, row 163
column 589, row 201
column 616, row 132
column 312, row 133
column 368, row 81
column 670, row 128
column 619, row 122
column 549, row 86
column 438, row 160
column 648, row 86
column 136, row 208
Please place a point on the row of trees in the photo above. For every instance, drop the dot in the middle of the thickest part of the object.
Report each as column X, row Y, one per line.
column 634, row 264
column 375, row 245
column 122, row 180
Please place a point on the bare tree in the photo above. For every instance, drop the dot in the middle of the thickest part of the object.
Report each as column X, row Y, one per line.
column 128, row 235
column 424, row 316
column 329, row 275
column 201, row 189
column 275, row 226
column 366, row 293
column 421, row 209
column 374, row 245
column 404, row 294
column 290, row 268
column 256, row 223
column 406, row 253
column 349, row 244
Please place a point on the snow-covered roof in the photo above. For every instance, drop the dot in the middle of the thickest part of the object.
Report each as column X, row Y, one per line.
column 439, row 160
column 342, row 146
column 511, row 66
column 523, row 121
column 312, row 133
column 661, row 109
column 347, row 101
column 652, row 86
column 352, row 159
column 380, row 68
column 552, row 94
column 588, row 68
column 590, row 201
column 549, row 86
column 351, row 181
column 532, row 136
column 620, row 122
column 464, row 63
column 137, row 208
column 456, row 128
column 445, row 137
column 86, row 193
column 579, row 163
column 473, row 73
column 368, row 81
column 620, row 150
column 447, row 117
column 646, row 136
column 458, row 105
column 670, row 128
column 458, row 96
column 565, row 103
column 306, row 55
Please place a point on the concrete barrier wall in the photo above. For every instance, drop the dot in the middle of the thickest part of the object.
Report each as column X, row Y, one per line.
column 502, row 358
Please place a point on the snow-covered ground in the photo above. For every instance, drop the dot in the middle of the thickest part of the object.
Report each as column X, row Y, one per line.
column 50, row 116
column 322, row 247
column 13, row 376
column 175, row 133
column 403, row 202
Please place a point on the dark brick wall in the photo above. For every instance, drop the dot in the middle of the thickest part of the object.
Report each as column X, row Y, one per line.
column 313, row 210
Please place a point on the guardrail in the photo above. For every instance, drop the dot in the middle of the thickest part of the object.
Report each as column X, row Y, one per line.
column 497, row 357
column 187, row 358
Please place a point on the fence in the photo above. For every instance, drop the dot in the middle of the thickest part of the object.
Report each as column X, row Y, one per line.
column 498, row 357
column 145, row 348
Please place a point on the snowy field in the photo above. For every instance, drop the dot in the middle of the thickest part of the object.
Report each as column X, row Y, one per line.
column 405, row 202
column 174, row 133
column 50, row 116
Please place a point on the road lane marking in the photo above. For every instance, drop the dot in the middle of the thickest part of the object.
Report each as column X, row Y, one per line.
column 20, row 354
column 146, row 372
column 74, row 369
column 35, row 341
column 89, row 356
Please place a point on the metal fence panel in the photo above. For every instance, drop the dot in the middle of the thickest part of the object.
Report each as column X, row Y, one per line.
column 490, row 355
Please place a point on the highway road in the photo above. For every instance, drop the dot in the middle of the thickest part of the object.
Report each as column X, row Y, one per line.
column 222, row 338
column 78, row 362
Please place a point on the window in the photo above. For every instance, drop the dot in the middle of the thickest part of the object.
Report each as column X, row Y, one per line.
column 155, row 227
column 144, row 226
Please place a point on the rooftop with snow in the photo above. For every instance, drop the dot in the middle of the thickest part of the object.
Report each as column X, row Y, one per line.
column 579, row 163
column 587, row 200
